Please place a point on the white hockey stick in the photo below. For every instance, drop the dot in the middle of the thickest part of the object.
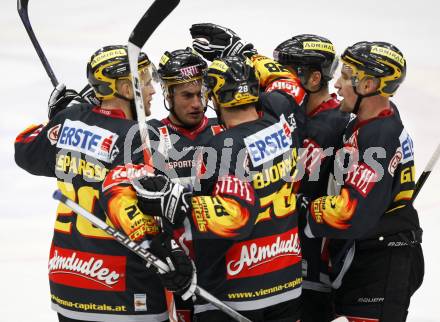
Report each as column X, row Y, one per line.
column 145, row 27
column 425, row 174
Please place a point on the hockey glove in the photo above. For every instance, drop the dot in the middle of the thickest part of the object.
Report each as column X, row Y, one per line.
column 159, row 196
column 213, row 41
column 181, row 278
column 89, row 96
column 59, row 99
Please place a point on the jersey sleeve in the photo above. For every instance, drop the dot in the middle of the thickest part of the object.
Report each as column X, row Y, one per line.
column 226, row 205
column 274, row 76
column 120, row 202
column 365, row 195
column 35, row 148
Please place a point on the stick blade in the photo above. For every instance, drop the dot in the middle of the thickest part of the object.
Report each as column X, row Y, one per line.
column 157, row 13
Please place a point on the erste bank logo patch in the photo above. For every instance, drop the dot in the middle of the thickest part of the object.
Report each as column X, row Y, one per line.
column 407, row 147
column 267, row 144
column 90, row 140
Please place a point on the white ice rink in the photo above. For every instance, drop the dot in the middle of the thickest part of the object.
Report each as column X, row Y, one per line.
column 70, row 31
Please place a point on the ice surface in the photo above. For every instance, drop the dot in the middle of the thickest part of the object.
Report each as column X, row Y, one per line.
column 70, row 31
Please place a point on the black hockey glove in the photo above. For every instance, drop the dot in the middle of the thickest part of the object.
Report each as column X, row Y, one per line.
column 213, row 41
column 88, row 95
column 59, row 99
column 181, row 278
column 159, row 196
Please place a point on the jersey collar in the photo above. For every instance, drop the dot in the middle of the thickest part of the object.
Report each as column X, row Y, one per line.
column 189, row 133
column 118, row 114
column 324, row 106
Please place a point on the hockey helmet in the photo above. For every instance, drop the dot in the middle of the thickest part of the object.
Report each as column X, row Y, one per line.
column 308, row 52
column 232, row 81
column 376, row 59
column 181, row 66
column 109, row 64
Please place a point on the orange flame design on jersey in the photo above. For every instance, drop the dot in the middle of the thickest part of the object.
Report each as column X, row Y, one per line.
column 226, row 225
column 221, row 216
column 335, row 211
column 125, row 214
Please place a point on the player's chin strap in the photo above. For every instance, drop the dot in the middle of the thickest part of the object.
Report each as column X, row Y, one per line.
column 181, row 123
column 360, row 97
column 132, row 104
column 170, row 108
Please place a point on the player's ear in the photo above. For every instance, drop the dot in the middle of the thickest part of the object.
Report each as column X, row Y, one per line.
column 315, row 78
column 125, row 88
column 371, row 85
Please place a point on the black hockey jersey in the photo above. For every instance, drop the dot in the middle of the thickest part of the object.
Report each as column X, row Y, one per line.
column 244, row 218
column 375, row 198
column 92, row 277
column 175, row 153
column 176, row 150
column 323, row 136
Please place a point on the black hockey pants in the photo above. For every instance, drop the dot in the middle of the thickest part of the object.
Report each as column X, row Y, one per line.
column 382, row 278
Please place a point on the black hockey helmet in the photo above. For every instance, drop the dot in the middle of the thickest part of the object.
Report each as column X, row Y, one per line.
column 181, row 66
column 376, row 59
column 109, row 64
column 308, row 52
column 232, row 81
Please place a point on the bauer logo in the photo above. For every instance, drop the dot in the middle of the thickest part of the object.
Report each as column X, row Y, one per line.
column 263, row 255
column 269, row 143
column 90, row 140
column 407, row 147
column 87, row 270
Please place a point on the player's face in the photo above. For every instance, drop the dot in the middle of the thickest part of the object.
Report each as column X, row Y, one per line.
column 345, row 89
column 147, row 89
column 187, row 103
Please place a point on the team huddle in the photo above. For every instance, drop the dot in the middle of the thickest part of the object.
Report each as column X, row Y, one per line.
column 290, row 205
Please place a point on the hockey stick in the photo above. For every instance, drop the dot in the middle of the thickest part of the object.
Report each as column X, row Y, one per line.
column 425, row 174
column 22, row 7
column 157, row 13
column 149, row 22
column 144, row 253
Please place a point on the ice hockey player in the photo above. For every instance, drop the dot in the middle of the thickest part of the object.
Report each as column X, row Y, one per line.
column 245, row 232
column 92, row 277
column 313, row 59
column 179, row 137
column 213, row 41
column 378, row 253
column 176, row 141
